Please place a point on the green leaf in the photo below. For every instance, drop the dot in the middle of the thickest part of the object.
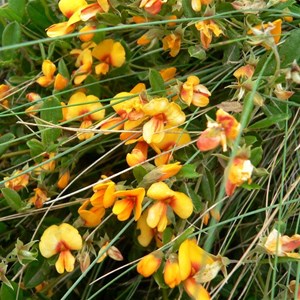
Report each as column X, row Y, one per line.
column 11, row 36
column 139, row 172
column 185, row 235
column 268, row 122
column 109, row 18
column 6, row 293
column 256, row 156
column 207, row 186
column 196, row 199
column 13, row 199
column 250, row 139
column 167, row 235
column 197, row 52
column 188, row 171
column 156, row 82
column 18, row 6
column 36, row 273
column 251, row 186
column 63, row 69
column 52, row 113
column 36, row 148
column 4, row 142
column 187, row 9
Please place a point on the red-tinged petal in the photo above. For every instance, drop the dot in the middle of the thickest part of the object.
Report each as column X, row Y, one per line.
column 182, row 205
column 230, row 188
column 209, row 139
column 290, row 243
column 90, row 11
column 68, row 7
column 194, row 290
column 60, row 82
column 149, row 264
column 60, row 29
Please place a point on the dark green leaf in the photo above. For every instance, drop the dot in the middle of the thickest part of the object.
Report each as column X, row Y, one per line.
column 185, row 235
column 250, row 140
column 18, row 6
column 5, row 142
column 251, row 186
column 63, row 69
column 11, row 36
column 52, row 113
column 167, row 235
column 156, row 82
column 109, row 18
column 256, row 156
column 187, row 9
column 6, row 293
column 207, row 186
column 13, row 199
column 139, row 172
column 268, row 122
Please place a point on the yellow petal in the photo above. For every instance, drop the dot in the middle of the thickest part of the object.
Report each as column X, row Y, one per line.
column 182, row 205
column 149, row 264
column 70, row 236
column 60, row 29
column 117, row 55
column 103, row 49
column 157, row 216
column 146, row 233
column 68, row 7
column 194, row 290
column 160, row 191
column 65, row 261
column 49, row 241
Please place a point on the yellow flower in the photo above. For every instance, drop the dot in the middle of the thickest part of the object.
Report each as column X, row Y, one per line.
column 279, row 245
column 93, row 9
column 17, row 183
column 161, row 112
column 48, row 69
column 172, row 272
column 192, row 92
column 207, row 29
column 224, row 130
column 149, row 264
column 104, row 193
column 168, row 170
column 196, row 4
column 164, row 196
column 238, row 172
column 47, row 166
column 39, row 198
column 152, row 7
column 191, row 259
column 130, row 200
column 91, row 215
column 69, row 7
column 172, row 42
column 110, row 53
column 61, row 240
column 138, row 154
column 270, row 33
column 168, row 73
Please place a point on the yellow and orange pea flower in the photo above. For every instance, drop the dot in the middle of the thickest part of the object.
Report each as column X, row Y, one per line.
column 173, row 137
column 207, row 29
column 17, row 183
column 87, row 36
column 192, row 92
column 168, row 73
column 225, row 130
column 39, row 198
column 48, row 69
column 47, row 166
column 84, row 64
column 87, row 109
column 268, row 34
column 4, row 92
column 104, row 193
column 146, row 232
column 173, row 42
column 90, row 214
column 138, row 154
column 161, row 113
column 130, row 200
column 163, row 197
column 281, row 245
column 237, row 173
column 172, row 271
column 63, row 180
column 32, row 97
column 197, row 4
column 61, row 240
column 191, row 258
column 110, row 54
column 152, row 7
column 150, row 263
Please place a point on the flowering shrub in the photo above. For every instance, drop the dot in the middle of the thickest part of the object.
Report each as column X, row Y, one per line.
column 149, row 149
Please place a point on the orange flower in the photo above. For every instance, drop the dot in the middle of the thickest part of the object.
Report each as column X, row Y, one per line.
column 191, row 259
column 181, row 204
column 238, row 172
column 268, row 34
column 207, row 29
column 104, row 193
column 110, row 53
column 172, row 272
column 93, row 9
column 48, row 69
column 131, row 200
column 91, row 214
column 49, row 165
column 149, row 264
column 161, row 112
column 152, row 7
column 63, row 180
column 192, row 92
column 223, row 131
column 143, row 40
column 279, row 245
column 172, row 42
column 17, row 183
column 168, row 170
column 39, row 198
column 138, row 154
column 61, row 240
column 168, row 73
